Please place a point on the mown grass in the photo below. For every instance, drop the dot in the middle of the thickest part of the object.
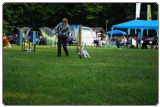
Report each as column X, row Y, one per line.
column 109, row 77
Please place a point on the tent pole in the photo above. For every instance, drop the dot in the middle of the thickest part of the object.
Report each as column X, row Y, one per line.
column 80, row 40
column 111, row 34
column 106, row 24
column 135, row 29
column 157, row 32
column 129, row 30
column 141, row 35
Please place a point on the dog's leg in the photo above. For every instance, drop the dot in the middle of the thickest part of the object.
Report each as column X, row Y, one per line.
column 88, row 55
column 85, row 53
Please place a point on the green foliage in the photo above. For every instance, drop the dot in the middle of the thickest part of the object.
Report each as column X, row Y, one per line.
column 109, row 77
column 88, row 14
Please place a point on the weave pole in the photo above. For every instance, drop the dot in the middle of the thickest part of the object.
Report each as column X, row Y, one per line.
column 80, row 40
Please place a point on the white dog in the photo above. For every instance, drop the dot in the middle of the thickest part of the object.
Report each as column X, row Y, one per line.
column 84, row 52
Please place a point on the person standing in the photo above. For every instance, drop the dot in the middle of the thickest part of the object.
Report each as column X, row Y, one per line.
column 63, row 33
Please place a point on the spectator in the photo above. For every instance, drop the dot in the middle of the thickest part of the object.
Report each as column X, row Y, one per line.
column 113, row 40
column 118, row 39
column 98, row 39
column 123, row 41
column 42, row 40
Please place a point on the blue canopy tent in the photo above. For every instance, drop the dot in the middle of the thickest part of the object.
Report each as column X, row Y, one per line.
column 116, row 32
column 138, row 24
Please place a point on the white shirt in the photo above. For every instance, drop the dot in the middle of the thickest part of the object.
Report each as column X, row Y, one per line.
column 124, row 40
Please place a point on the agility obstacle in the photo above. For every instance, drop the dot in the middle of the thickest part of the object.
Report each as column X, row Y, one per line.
column 27, row 42
column 79, row 42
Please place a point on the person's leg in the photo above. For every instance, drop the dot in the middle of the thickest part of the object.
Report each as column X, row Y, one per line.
column 59, row 45
column 65, row 45
column 117, row 44
column 97, row 43
column 100, row 43
column 120, row 44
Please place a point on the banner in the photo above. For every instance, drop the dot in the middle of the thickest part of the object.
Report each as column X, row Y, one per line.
column 138, row 8
column 149, row 17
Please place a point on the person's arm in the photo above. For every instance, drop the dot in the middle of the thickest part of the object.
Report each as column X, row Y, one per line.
column 55, row 30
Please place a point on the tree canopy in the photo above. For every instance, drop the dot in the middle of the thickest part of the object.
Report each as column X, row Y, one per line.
column 88, row 14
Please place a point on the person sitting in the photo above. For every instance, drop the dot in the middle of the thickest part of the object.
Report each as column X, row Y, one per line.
column 104, row 40
column 6, row 43
column 113, row 40
column 97, row 41
column 123, row 41
column 129, row 42
column 42, row 41
column 118, row 40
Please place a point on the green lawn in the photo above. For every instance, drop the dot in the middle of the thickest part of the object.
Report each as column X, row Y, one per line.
column 109, row 77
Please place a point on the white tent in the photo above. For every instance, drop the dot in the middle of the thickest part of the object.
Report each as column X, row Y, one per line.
column 88, row 36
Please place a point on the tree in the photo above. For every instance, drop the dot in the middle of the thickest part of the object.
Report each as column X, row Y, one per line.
column 37, row 15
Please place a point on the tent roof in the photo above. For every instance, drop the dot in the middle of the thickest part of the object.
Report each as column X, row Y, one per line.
column 46, row 31
column 74, row 26
column 138, row 24
column 116, row 32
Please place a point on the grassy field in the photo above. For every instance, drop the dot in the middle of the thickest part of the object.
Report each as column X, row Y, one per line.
column 109, row 77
